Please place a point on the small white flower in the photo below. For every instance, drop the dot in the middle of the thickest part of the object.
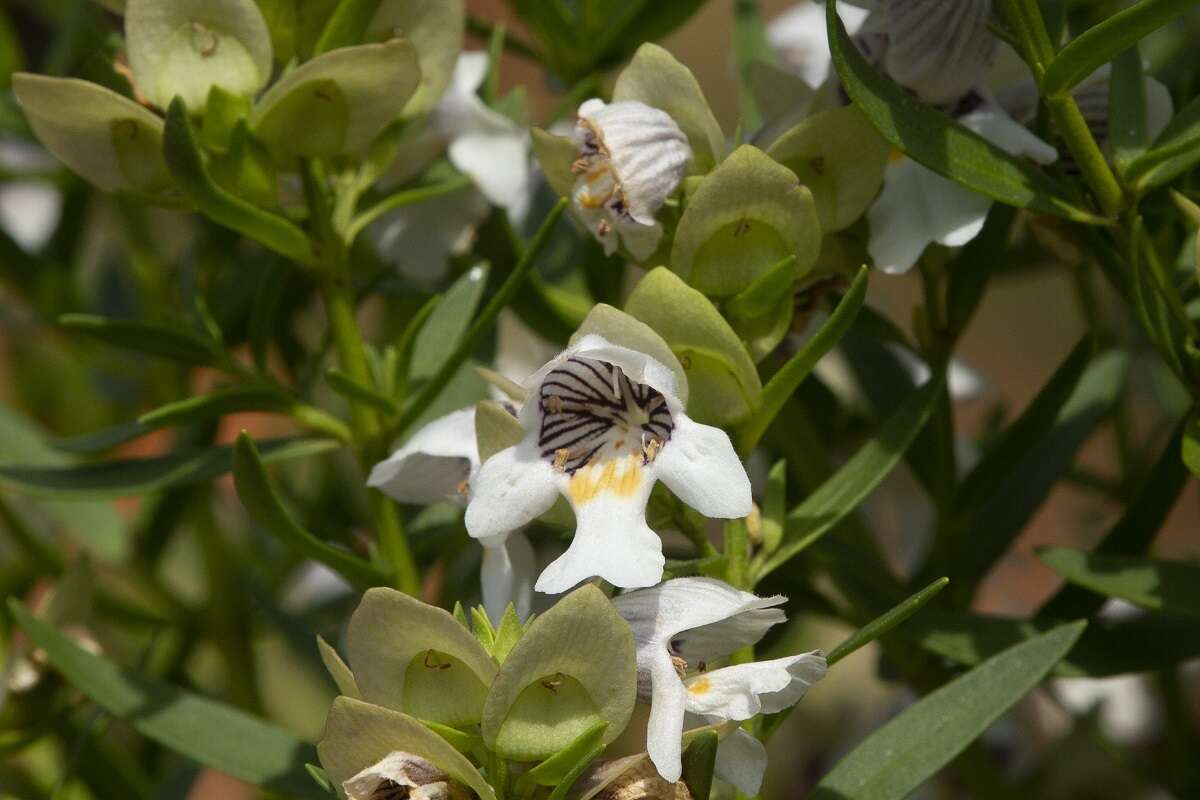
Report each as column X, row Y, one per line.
column 941, row 49
column 631, row 157
column 438, row 463
column 482, row 143
column 681, row 626
column 401, row 774
column 602, row 424
column 801, row 39
column 917, row 206
column 29, row 209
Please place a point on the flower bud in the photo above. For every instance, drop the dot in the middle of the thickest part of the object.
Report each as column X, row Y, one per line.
column 631, row 157
column 404, row 775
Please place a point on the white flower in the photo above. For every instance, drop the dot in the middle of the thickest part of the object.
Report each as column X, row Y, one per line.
column 401, row 774
column 918, row 206
column 941, row 49
column 801, row 39
column 631, row 157
column 437, row 463
column 681, row 626
column 482, row 143
column 29, row 209
column 602, row 424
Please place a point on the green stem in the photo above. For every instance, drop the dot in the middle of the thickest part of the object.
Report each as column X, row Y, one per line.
column 482, row 324
column 1025, row 18
column 404, row 198
column 737, row 553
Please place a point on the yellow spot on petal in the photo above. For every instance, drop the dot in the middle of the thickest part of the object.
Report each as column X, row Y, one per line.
column 700, row 687
column 621, row 476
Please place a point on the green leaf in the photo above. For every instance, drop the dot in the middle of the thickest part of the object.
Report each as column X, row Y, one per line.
column 907, row 751
column 186, row 162
column 1101, row 43
column 359, row 734
column 447, row 323
column 1108, row 647
column 881, row 625
column 106, row 138
column 574, row 666
column 186, row 47
column 1190, row 450
column 264, row 505
column 1131, row 535
column 1174, row 152
column 1172, row 587
column 170, row 342
column 133, row 476
column 746, row 216
column 837, row 497
column 552, row 771
column 217, row 404
column 337, row 669
column 941, row 144
column 1127, row 133
column 656, row 78
column 722, row 379
column 435, row 28
column 554, row 154
column 508, row 634
column 699, row 760
column 416, row 658
column 208, row 732
column 347, row 25
column 341, row 99
column 787, row 379
column 993, row 524
column 102, row 440
column 840, row 157
column 762, row 312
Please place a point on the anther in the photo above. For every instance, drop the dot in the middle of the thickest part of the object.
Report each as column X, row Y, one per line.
column 680, row 665
column 554, row 403
column 560, row 458
column 650, row 448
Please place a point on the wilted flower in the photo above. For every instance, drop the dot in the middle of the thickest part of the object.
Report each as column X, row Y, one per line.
column 682, row 626
column 629, row 778
column 631, row 157
column 602, row 424
column 437, row 463
column 404, row 775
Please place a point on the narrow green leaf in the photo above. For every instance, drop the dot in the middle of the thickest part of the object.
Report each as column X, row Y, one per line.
column 1131, row 534
column 151, row 338
column 990, row 527
column 1190, row 450
column 1172, row 587
column 217, row 404
column 899, row 757
column 1174, row 152
column 133, row 476
column 102, row 440
column 347, row 25
column 448, row 323
column 699, row 761
column 941, row 144
column 881, row 625
column 260, row 499
column 784, row 383
column 552, row 771
column 1101, row 43
column 354, row 391
column 849, row 486
column 186, row 162
column 1032, row 426
column 1127, row 134
column 1108, row 647
column 208, row 732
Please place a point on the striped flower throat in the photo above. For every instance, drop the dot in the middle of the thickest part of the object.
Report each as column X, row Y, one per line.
column 592, row 414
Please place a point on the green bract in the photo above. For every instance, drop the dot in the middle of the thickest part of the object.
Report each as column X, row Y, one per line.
column 107, row 138
column 622, row 329
column 338, row 102
column 495, row 429
column 186, row 47
column 359, row 734
column 573, row 667
column 724, row 385
column 745, row 216
column 416, row 658
column 657, row 79
column 840, row 158
column 555, row 154
column 435, row 27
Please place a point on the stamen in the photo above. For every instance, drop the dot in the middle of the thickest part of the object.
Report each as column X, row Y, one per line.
column 555, row 404
column 560, row 458
column 680, row 665
column 603, row 228
column 650, row 448
column 463, row 487
column 616, row 380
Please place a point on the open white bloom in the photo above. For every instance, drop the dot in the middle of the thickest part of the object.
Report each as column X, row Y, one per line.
column 941, row 49
column 401, row 774
column 437, row 463
column 482, row 143
column 631, row 157
column 681, row 626
column 602, row 424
